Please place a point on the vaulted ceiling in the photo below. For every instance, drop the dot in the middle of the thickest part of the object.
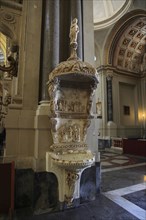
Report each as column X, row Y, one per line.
column 131, row 47
column 107, row 12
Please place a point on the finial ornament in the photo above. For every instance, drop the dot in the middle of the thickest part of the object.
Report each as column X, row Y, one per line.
column 74, row 30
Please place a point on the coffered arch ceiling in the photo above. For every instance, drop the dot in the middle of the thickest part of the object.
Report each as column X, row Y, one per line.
column 128, row 49
column 129, row 53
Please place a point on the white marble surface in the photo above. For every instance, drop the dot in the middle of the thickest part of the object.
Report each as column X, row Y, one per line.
column 110, row 154
column 123, row 167
column 104, row 163
column 122, row 157
column 119, row 161
column 116, row 196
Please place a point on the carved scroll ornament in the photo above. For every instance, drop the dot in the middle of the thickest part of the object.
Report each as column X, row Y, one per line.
column 12, row 69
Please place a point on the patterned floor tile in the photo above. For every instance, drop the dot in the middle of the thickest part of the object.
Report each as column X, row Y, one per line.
column 105, row 163
column 117, row 161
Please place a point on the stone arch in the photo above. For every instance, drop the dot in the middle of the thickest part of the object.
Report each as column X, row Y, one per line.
column 126, row 43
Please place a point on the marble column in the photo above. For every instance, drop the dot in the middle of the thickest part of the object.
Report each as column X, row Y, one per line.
column 65, row 20
column 109, row 99
column 111, row 126
column 49, row 59
column 68, row 11
column 77, row 12
column 57, row 16
column 49, row 43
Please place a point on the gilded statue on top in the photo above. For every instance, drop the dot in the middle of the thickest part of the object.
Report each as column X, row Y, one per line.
column 74, row 30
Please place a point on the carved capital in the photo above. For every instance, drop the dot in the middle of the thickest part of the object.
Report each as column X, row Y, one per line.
column 109, row 75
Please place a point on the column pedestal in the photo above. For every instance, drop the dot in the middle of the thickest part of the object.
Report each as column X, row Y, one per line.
column 43, row 137
column 111, row 129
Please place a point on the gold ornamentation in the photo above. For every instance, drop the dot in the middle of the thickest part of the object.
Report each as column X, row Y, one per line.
column 71, row 178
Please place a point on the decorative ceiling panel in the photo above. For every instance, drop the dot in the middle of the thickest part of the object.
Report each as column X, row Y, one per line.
column 131, row 47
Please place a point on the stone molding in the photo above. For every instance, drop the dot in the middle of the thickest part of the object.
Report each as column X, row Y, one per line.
column 10, row 23
column 116, row 71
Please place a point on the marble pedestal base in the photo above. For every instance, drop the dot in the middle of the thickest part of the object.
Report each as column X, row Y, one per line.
column 37, row 192
column 111, row 129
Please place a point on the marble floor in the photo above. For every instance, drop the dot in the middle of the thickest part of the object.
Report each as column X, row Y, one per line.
column 114, row 161
column 123, row 192
column 127, row 182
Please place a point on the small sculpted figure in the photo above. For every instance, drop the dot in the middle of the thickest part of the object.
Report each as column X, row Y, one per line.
column 74, row 30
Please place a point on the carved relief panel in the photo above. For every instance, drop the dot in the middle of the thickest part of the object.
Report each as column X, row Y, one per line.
column 68, row 100
column 69, row 130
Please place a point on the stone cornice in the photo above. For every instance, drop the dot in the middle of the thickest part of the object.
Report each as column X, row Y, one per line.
column 118, row 71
